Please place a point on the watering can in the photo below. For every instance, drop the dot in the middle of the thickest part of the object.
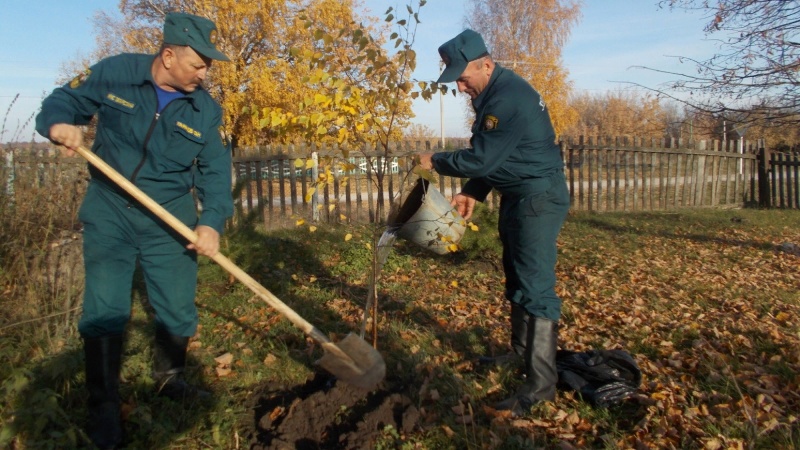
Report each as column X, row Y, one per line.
column 426, row 218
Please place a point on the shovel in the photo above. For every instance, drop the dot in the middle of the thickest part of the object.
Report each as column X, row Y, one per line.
column 352, row 360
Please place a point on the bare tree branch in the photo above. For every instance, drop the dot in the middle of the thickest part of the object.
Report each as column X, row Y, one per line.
column 754, row 76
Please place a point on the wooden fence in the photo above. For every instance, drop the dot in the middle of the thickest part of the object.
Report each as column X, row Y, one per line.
column 277, row 185
column 779, row 179
column 602, row 174
column 619, row 175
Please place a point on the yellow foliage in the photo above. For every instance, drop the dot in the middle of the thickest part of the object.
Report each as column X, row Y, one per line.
column 291, row 60
column 310, row 195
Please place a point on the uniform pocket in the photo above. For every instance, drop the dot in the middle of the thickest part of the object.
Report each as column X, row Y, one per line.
column 117, row 114
column 555, row 198
column 185, row 143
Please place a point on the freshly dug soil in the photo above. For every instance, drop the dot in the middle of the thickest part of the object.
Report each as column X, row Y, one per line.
column 328, row 414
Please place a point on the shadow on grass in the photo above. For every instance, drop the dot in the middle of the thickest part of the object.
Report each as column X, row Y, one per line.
column 50, row 403
column 668, row 222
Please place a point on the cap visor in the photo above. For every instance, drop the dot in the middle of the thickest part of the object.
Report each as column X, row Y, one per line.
column 212, row 53
column 451, row 73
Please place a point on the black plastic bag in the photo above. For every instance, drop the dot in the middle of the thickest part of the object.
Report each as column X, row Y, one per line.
column 602, row 377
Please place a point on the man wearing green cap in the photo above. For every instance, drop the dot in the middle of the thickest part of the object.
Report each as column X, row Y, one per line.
column 512, row 150
column 158, row 128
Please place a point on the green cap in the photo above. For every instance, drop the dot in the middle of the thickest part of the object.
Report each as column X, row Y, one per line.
column 458, row 52
column 195, row 31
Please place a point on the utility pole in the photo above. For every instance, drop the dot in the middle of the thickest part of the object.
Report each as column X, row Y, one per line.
column 441, row 107
column 724, row 135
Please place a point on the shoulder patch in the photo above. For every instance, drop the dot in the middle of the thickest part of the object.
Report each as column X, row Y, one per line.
column 79, row 79
column 489, row 122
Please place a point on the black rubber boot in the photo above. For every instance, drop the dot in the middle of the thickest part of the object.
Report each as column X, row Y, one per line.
column 519, row 333
column 540, row 368
column 103, row 357
column 169, row 363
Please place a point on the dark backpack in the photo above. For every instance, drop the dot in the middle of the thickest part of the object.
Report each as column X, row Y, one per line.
column 603, row 377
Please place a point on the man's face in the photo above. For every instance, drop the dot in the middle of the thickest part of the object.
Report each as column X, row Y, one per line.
column 187, row 68
column 475, row 77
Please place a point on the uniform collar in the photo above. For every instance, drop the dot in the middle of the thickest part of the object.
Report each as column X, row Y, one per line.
column 480, row 100
column 147, row 78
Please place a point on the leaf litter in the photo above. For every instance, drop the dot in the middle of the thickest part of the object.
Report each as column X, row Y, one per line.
column 712, row 321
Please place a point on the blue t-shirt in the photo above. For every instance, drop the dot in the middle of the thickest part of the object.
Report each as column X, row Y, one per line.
column 164, row 97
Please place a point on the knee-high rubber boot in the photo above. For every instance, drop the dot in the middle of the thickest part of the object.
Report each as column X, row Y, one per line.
column 169, row 362
column 519, row 336
column 103, row 357
column 540, row 368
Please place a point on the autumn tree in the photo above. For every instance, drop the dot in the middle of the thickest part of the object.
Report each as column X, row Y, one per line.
column 350, row 107
column 527, row 36
column 754, row 75
column 354, row 83
column 419, row 132
column 263, row 38
column 620, row 113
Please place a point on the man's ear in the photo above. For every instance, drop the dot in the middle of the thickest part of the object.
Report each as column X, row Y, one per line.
column 168, row 57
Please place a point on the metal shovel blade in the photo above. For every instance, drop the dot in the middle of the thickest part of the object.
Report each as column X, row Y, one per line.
column 354, row 361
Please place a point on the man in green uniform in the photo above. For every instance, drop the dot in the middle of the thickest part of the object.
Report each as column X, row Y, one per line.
column 158, row 128
column 513, row 150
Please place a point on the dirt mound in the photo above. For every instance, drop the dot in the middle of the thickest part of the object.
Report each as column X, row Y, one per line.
column 328, row 414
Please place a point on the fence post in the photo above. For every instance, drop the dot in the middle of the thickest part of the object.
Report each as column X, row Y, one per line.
column 763, row 178
column 315, row 196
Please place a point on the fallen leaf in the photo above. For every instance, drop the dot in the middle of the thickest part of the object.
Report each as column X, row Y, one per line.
column 225, row 359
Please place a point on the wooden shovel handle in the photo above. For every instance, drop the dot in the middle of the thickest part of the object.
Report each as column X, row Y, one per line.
column 191, row 236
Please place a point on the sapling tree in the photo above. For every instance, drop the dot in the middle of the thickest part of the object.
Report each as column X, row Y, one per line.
column 356, row 109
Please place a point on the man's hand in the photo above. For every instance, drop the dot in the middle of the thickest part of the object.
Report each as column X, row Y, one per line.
column 70, row 136
column 424, row 161
column 207, row 243
column 464, row 204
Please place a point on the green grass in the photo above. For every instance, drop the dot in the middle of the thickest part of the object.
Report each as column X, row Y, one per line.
column 701, row 298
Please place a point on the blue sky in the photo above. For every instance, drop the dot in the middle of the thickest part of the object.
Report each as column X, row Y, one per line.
column 39, row 36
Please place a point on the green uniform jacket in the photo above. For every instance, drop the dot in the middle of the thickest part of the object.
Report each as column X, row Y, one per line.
column 165, row 154
column 513, row 141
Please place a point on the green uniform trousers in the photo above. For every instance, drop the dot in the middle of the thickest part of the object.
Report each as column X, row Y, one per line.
column 116, row 233
column 529, row 226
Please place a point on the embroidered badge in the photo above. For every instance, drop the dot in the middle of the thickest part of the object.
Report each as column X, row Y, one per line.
column 120, row 101
column 79, row 79
column 188, row 129
column 490, row 122
column 212, row 36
